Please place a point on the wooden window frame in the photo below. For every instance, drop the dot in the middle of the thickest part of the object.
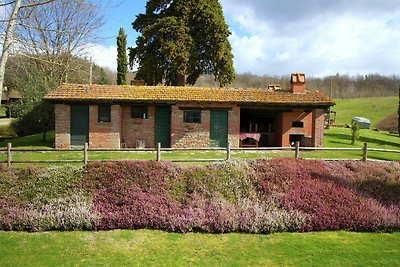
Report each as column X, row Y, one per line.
column 139, row 111
column 104, row 113
column 192, row 116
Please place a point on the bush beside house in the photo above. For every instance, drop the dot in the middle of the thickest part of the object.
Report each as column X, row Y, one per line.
column 260, row 196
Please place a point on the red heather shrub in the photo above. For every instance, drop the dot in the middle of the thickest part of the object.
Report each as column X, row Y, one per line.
column 276, row 175
column 380, row 181
column 132, row 208
column 336, row 195
column 146, row 174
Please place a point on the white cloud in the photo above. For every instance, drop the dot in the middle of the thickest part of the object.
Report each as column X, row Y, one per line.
column 102, row 55
column 336, row 37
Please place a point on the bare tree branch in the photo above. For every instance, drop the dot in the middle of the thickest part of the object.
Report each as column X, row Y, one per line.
column 36, row 4
column 6, row 4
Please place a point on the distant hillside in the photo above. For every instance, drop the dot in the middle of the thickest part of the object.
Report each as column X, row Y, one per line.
column 374, row 108
column 338, row 86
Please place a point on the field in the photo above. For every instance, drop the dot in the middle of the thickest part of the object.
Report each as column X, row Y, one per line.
column 373, row 108
column 156, row 248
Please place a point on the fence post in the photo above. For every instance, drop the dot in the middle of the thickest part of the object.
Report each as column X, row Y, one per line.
column 85, row 154
column 228, row 151
column 9, row 156
column 297, row 150
column 365, row 152
column 158, row 151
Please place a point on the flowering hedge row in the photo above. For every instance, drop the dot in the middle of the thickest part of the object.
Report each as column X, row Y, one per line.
column 260, row 196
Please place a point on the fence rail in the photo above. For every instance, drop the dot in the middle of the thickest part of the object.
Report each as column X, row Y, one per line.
column 85, row 155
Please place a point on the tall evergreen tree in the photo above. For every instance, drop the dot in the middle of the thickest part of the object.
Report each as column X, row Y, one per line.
column 122, row 61
column 182, row 38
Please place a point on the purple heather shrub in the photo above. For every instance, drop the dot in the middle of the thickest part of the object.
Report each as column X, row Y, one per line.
column 260, row 196
column 150, row 175
column 332, row 207
column 133, row 207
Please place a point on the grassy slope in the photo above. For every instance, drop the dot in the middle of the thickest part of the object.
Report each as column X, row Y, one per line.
column 373, row 108
column 144, row 248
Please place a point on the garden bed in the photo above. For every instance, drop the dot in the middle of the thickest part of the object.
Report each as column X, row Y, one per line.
column 258, row 196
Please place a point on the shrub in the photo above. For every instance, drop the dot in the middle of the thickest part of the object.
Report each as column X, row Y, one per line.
column 70, row 213
column 132, row 208
column 231, row 180
column 145, row 174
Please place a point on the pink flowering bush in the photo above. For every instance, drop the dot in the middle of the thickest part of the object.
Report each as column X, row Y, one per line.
column 262, row 196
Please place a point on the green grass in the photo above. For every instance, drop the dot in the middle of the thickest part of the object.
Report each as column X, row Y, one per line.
column 156, row 248
column 6, row 131
column 334, row 137
column 373, row 108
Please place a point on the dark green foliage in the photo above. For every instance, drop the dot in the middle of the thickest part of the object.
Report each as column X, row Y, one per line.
column 122, row 61
column 101, row 76
column 355, row 132
column 182, row 38
column 33, row 114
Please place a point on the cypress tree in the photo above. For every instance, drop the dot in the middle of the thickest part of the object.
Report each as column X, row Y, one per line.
column 122, row 61
column 182, row 38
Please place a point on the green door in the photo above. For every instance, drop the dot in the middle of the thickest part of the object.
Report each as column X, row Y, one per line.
column 79, row 125
column 162, row 131
column 218, row 128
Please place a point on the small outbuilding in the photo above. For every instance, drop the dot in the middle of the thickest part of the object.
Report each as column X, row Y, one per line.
column 114, row 116
column 363, row 123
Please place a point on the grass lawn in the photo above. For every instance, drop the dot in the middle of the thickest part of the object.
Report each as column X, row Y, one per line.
column 373, row 108
column 156, row 248
column 334, row 137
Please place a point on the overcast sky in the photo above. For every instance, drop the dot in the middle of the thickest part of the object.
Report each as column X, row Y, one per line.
column 277, row 37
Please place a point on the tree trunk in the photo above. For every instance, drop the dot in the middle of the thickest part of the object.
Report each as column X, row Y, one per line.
column 8, row 40
column 181, row 80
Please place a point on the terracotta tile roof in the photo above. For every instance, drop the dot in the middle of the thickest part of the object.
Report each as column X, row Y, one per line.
column 127, row 93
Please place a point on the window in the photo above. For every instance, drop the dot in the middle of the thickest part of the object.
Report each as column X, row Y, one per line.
column 298, row 124
column 139, row 112
column 104, row 113
column 192, row 116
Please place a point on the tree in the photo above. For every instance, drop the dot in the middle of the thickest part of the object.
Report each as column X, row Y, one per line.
column 182, row 38
column 58, row 33
column 51, row 40
column 17, row 6
column 398, row 113
column 122, row 61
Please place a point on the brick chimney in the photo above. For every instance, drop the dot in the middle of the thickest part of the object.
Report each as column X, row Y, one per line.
column 298, row 83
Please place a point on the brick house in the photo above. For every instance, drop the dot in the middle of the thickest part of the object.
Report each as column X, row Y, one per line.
column 113, row 116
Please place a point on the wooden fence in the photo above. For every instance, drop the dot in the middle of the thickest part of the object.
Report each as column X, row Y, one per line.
column 158, row 157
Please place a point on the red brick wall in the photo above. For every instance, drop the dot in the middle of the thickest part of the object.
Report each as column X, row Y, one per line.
column 318, row 128
column 234, row 126
column 62, row 125
column 137, row 129
column 104, row 134
column 296, row 115
column 198, row 134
